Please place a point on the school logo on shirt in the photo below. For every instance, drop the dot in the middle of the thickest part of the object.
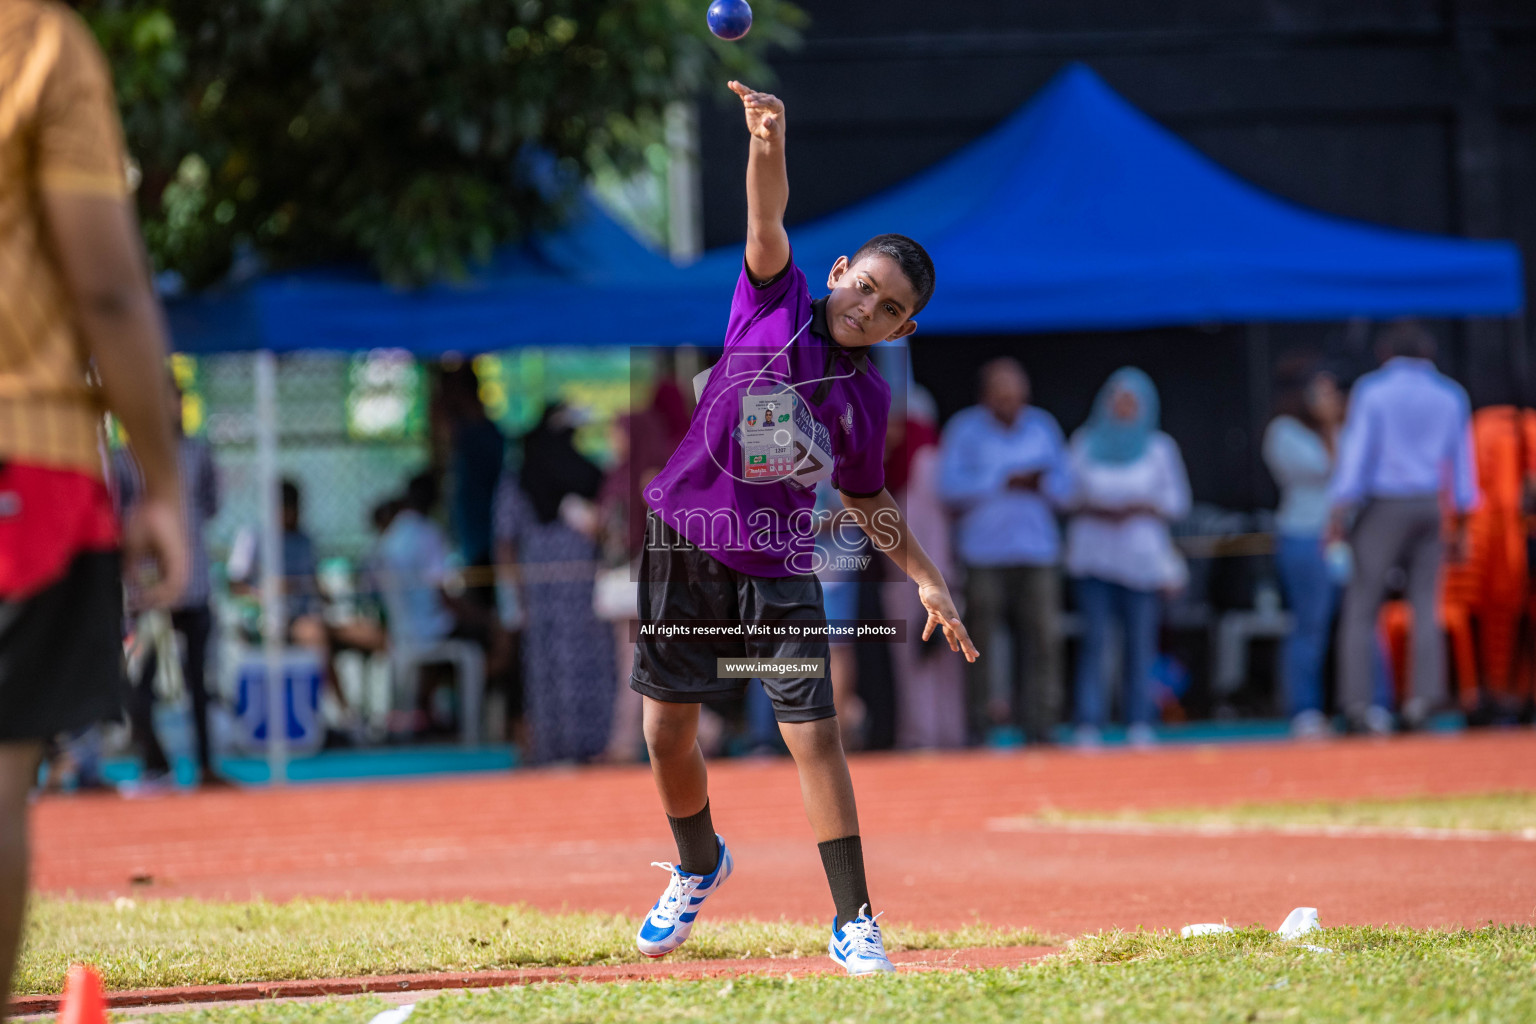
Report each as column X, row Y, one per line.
column 846, row 419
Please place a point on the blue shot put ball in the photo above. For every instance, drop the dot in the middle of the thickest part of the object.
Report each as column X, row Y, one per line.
column 730, row 19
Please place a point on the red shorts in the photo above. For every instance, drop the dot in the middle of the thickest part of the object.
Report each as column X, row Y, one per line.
column 47, row 517
column 61, row 603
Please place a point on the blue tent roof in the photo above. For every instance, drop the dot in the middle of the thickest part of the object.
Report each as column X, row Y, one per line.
column 581, row 285
column 1078, row 212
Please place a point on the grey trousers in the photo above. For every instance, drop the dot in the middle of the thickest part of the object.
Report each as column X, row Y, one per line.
column 1028, row 599
column 1393, row 532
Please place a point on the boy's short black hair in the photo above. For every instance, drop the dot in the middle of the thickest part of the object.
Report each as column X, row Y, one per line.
column 911, row 257
column 421, row 493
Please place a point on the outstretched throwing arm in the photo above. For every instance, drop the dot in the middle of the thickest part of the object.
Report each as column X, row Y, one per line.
column 767, row 184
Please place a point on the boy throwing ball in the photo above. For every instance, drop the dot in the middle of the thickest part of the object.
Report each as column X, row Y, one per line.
column 794, row 400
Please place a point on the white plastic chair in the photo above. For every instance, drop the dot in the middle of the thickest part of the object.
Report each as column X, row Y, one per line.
column 469, row 669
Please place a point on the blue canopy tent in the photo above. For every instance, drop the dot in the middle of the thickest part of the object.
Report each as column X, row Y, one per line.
column 1081, row 213
column 1077, row 213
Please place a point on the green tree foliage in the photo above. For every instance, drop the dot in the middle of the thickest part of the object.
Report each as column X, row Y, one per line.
column 415, row 134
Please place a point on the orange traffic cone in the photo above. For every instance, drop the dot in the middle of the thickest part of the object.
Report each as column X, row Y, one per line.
column 84, row 1002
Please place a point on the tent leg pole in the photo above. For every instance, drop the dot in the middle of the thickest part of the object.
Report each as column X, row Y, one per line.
column 272, row 578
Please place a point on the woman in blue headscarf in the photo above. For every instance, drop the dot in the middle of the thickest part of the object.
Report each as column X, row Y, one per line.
column 1130, row 484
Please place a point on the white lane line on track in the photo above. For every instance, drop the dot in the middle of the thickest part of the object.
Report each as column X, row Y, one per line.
column 1219, row 830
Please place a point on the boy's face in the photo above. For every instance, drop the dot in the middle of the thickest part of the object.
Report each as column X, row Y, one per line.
column 871, row 301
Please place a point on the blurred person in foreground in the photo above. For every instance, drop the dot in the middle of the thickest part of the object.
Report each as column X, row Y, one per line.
column 930, row 688
column 546, row 530
column 1299, row 448
column 1129, row 485
column 1004, row 472
column 74, row 290
column 191, row 615
column 1406, row 444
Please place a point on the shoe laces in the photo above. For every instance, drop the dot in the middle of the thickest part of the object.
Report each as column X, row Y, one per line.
column 863, row 934
column 674, row 902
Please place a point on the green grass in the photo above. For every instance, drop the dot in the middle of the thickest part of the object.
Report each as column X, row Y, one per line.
column 1501, row 812
column 1373, row 975
column 161, row 943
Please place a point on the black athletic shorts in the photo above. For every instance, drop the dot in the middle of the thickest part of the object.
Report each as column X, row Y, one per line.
column 61, row 602
column 61, row 651
column 680, row 583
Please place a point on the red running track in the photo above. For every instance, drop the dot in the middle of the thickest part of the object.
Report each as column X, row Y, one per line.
column 583, row 839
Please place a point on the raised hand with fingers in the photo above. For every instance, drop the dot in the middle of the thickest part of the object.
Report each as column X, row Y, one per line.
column 942, row 615
column 765, row 112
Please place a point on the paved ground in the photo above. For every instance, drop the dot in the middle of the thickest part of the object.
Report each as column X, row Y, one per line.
column 583, row 839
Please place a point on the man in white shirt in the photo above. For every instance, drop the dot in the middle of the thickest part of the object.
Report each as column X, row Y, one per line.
column 1003, row 470
column 1407, row 441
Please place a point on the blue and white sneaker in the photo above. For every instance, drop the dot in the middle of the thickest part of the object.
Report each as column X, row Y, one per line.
column 858, row 946
column 670, row 921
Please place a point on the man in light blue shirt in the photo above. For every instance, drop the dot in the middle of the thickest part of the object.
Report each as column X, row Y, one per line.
column 1003, row 470
column 412, row 563
column 1407, row 441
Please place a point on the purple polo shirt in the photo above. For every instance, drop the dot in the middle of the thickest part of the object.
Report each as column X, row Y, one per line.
column 766, row 528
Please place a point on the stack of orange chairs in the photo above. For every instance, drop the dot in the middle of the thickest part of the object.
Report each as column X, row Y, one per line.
column 1491, row 588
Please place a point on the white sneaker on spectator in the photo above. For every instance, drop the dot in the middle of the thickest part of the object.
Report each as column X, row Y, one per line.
column 1378, row 721
column 1311, row 725
column 1140, row 736
column 149, row 785
column 1087, row 738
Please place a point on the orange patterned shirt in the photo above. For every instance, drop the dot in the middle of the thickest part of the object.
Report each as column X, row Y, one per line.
column 59, row 132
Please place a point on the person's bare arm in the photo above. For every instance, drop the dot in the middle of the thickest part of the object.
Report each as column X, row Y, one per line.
column 767, row 184
column 881, row 518
column 96, row 241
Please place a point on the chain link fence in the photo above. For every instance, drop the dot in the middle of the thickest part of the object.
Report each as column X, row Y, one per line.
column 351, row 429
column 354, row 427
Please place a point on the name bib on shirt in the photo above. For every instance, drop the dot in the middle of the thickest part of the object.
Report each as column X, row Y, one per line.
column 779, row 438
column 767, row 436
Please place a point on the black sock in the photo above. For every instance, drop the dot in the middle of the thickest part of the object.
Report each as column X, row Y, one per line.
column 843, row 860
column 698, row 852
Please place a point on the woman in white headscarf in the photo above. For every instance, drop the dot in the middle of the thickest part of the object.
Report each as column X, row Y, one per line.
column 1130, row 485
